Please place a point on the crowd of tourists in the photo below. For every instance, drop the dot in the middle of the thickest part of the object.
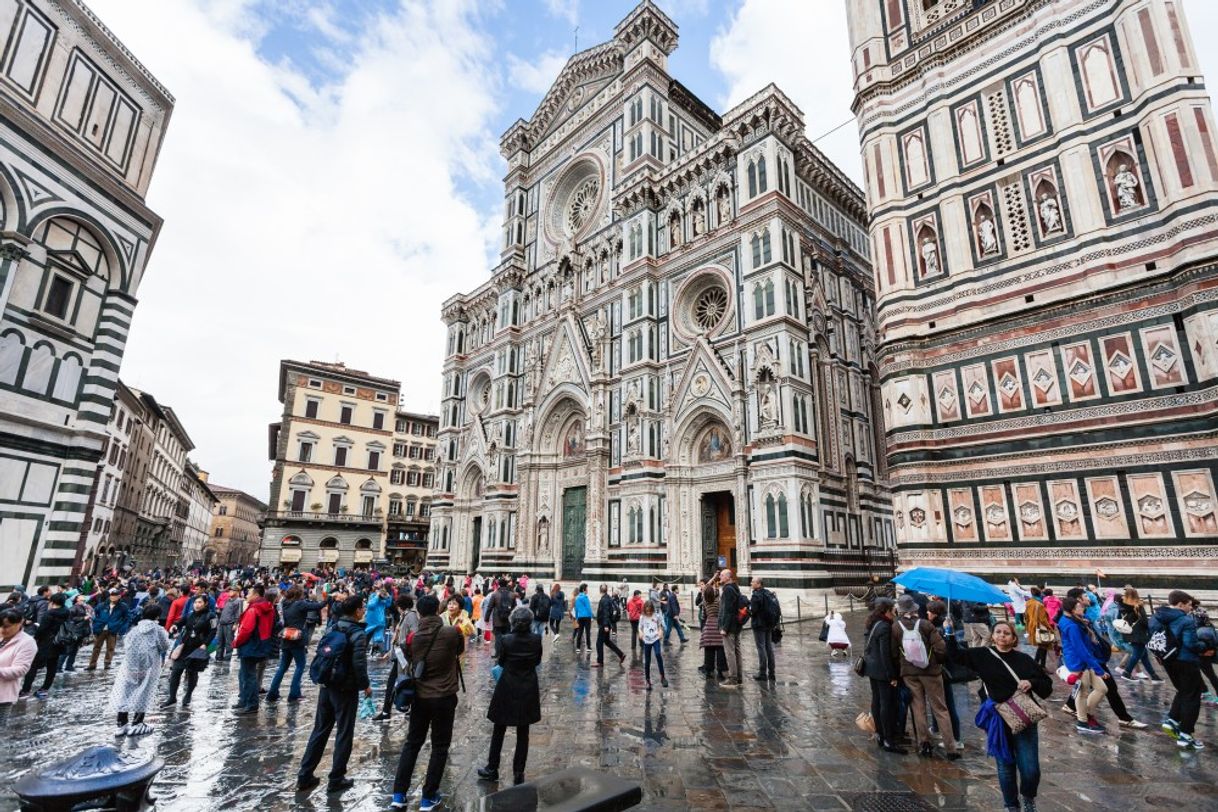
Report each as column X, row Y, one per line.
column 917, row 647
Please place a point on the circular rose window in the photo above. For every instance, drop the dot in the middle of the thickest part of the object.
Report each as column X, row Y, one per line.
column 710, row 307
column 574, row 201
column 583, row 203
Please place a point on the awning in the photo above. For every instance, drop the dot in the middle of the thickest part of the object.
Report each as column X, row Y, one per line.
column 363, row 556
column 289, row 555
column 327, row 555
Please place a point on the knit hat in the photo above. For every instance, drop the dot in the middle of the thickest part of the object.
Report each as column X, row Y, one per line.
column 906, row 605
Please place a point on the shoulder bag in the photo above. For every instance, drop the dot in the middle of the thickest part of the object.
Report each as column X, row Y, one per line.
column 860, row 662
column 1021, row 711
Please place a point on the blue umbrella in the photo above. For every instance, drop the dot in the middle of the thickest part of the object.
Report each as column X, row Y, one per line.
column 950, row 584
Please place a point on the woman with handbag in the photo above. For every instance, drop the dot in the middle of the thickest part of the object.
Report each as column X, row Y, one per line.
column 1134, row 624
column 189, row 653
column 294, row 645
column 1041, row 630
column 1010, row 682
column 880, row 667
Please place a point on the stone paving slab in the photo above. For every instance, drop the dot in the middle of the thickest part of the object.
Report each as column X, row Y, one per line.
column 788, row 745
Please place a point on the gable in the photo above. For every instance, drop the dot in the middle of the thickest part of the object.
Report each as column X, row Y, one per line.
column 705, row 379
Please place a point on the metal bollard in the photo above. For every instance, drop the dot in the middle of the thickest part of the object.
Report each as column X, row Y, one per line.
column 851, row 597
column 798, row 616
column 826, row 604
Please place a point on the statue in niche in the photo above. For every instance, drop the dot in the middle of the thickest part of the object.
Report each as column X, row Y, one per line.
column 674, row 231
column 767, row 403
column 930, row 256
column 724, row 204
column 765, row 356
column 987, row 235
column 599, row 331
column 633, row 394
column 699, row 224
column 492, row 463
column 1125, row 185
column 598, row 412
column 1050, row 213
column 632, row 430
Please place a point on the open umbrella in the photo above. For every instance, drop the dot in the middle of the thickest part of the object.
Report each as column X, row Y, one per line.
column 950, row 584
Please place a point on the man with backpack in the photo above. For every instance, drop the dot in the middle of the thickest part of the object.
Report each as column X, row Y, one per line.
column 340, row 667
column 767, row 614
column 539, row 605
column 1173, row 640
column 672, row 609
column 608, row 613
column 921, row 651
column 433, row 652
column 499, row 607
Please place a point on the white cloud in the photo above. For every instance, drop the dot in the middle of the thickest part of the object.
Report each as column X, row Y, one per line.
column 305, row 222
column 565, row 9
column 804, row 49
column 538, row 75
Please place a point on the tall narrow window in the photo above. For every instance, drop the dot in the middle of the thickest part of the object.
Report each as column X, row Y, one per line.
column 378, row 420
column 752, row 179
column 336, row 502
column 761, row 185
column 311, row 408
column 344, row 414
column 374, row 460
column 783, row 530
column 59, row 295
column 340, row 456
column 771, row 521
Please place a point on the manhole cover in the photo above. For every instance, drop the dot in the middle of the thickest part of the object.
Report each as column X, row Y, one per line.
column 888, row 802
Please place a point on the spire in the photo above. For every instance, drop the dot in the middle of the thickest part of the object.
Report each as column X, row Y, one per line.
column 647, row 22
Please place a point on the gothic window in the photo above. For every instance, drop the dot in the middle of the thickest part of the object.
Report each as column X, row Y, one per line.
column 771, row 520
column 783, row 529
column 768, row 286
column 752, row 179
column 761, row 182
column 766, row 256
column 755, row 244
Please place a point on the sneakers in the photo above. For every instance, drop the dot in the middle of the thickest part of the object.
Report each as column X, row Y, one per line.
column 664, row 682
column 1029, row 804
column 40, row 694
column 398, row 802
column 1118, row 671
column 141, row 729
column 120, row 731
column 1187, row 742
column 1090, row 728
column 1133, row 724
column 427, row 804
column 381, row 717
column 1128, row 678
column 1171, row 727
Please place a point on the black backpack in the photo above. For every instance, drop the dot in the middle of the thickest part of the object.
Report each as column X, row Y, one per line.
column 502, row 614
column 771, row 610
column 1163, row 642
column 543, row 606
column 615, row 612
column 332, row 662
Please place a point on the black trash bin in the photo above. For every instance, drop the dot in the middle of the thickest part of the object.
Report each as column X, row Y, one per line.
column 98, row 778
column 576, row 789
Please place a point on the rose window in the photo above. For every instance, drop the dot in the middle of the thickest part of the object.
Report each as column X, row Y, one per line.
column 710, row 308
column 582, row 205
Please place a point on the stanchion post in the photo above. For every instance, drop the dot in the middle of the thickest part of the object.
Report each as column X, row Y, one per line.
column 798, row 616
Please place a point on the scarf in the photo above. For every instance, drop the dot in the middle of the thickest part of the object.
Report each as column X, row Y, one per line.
column 997, row 741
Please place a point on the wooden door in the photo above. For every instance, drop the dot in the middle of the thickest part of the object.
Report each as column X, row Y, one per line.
column 710, row 535
column 574, row 526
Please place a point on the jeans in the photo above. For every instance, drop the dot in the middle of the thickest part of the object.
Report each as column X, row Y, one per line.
column 670, row 623
column 555, row 622
column 334, row 708
column 884, row 709
column 521, row 756
column 648, row 650
column 584, row 628
column 1026, row 749
column 602, row 640
column 731, row 650
column 224, row 646
column 390, row 682
column 295, row 654
column 436, row 714
column 1139, row 655
column 765, row 651
column 248, row 682
column 634, row 635
column 539, row 627
column 1186, row 679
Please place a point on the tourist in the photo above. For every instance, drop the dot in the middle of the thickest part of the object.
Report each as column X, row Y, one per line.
column 634, row 611
column 835, row 634
column 1004, row 670
column 294, row 644
column 516, row 701
column 581, row 613
column 1053, row 605
column 710, row 639
column 374, row 618
column 189, row 654
column 649, row 634
column 558, row 608
column 435, row 705
column 1019, row 599
column 1079, row 642
column 456, row 616
column 230, row 614
column 1135, row 618
column 17, row 653
column 672, row 611
column 46, row 636
column 937, row 614
column 733, row 612
column 608, row 613
column 254, row 645
column 111, row 620
column 539, row 605
column 408, row 622
column 1039, row 627
column 880, row 668
column 497, row 611
column 338, row 700
column 77, row 629
column 921, row 651
column 475, row 612
column 766, row 613
column 134, row 689
column 1179, row 629
column 1207, row 637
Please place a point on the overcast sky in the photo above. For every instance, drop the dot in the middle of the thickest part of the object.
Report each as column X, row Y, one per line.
column 331, row 173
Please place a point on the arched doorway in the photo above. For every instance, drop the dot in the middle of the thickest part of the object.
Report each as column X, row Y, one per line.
column 561, row 463
column 705, row 475
column 469, row 504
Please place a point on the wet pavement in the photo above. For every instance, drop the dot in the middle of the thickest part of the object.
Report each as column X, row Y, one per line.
column 788, row 745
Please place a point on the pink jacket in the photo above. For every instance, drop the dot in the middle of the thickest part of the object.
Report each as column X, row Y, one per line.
column 16, row 657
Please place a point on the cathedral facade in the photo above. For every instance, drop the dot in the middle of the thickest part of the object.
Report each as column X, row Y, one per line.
column 1042, row 179
column 671, row 368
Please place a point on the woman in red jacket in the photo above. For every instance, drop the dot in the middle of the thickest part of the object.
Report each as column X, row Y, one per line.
column 634, row 610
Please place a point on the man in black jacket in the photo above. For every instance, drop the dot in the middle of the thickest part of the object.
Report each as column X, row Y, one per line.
column 763, row 629
column 730, row 624
column 498, row 609
column 337, row 704
column 605, row 611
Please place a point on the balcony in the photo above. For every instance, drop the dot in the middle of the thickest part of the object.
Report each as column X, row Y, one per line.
column 322, row 517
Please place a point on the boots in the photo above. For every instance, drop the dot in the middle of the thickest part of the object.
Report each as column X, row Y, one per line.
column 488, row 773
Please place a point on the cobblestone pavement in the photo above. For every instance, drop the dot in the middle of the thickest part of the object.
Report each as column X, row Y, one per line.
column 788, row 745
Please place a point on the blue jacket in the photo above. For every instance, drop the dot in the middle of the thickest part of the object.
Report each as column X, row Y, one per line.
column 1092, row 612
column 583, row 606
column 374, row 612
column 1078, row 649
column 1183, row 627
column 114, row 618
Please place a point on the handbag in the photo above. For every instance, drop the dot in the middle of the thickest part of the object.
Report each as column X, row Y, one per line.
column 176, row 653
column 292, row 634
column 776, row 634
column 496, row 672
column 1122, row 625
column 1021, row 711
column 824, row 632
column 1045, row 636
column 860, row 662
column 865, row 722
